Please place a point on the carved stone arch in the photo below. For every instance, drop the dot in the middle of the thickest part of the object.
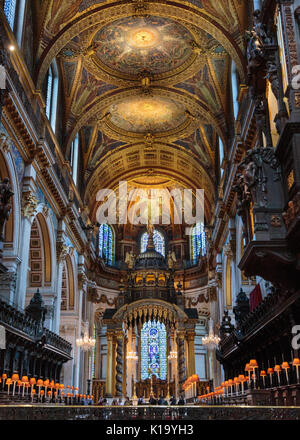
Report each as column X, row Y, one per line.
column 40, row 254
column 13, row 224
column 68, row 285
column 49, row 238
column 187, row 13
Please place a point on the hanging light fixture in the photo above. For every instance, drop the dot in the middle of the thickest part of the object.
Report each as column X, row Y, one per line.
column 86, row 343
column 211, row 341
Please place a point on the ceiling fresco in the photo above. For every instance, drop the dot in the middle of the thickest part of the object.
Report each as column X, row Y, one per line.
column 147, row 114
column 145, row 84
column 133, row 45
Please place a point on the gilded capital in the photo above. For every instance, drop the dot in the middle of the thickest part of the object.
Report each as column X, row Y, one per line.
column 29, row 204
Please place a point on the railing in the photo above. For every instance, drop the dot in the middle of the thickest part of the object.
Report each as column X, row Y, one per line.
column 49, row 412
column 20, row 320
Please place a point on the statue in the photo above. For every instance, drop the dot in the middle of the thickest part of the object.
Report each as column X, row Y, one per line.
column 130, row 259
column 171, row 259
column 5, row 205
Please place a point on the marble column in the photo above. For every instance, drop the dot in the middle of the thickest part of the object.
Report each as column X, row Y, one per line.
column 181, row 359
column 119, row 363
column 109, row 366
column 61, row 253
column 191, row 369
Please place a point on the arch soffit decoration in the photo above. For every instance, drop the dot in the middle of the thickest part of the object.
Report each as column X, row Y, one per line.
column 123, row 312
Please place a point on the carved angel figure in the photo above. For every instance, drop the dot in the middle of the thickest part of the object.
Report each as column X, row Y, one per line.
column 5, row 205
column 171, row 259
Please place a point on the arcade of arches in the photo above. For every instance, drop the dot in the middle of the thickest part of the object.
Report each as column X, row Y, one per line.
column 162, row 97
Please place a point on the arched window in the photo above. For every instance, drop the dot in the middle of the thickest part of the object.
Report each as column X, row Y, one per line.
column 106, row 244
column 221, row 156
column 51, row 94
column 154, row 350
column 14, row 11
column 74, row 158
column 159, row 242
column 235, row 88
column 198, row 241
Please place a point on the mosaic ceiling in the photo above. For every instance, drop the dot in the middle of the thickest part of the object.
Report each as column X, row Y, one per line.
column 133, row 45
column 146, row 85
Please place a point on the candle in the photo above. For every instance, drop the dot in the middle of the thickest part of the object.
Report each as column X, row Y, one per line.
column 270, row 373
column 14, row 378
column 296, row 363
column 277, row 368
column 263, row 375
column 8, row 383
column 4, row 377
column 19, row 384
column 285, row 366
column 24, row 381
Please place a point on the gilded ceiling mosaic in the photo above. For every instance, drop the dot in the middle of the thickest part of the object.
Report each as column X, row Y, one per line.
column 133, row 45
column 146, row 84
column 147, row 114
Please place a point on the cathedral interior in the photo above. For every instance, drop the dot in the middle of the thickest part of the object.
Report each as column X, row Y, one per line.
column 154, row 96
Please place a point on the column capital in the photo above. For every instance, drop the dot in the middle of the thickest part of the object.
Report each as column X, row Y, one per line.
column 29, row 204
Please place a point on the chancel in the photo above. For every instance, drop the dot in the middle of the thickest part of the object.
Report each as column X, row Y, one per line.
column 120, row 285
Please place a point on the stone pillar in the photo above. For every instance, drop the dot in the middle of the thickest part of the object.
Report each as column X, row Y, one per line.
column 181, row 359
column 119, row 363
column 29, row 204
column 191, row 369
column 109, row 365
column 61, row 253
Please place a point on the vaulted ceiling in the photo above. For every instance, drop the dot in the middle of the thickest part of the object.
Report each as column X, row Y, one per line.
column 146, row 85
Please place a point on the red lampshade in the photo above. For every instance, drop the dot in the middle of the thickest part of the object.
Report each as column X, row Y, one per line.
column 242, row 377
column 247, row 367
column 277, row 368
column 24, row 379
column 40, row 383
column 4, row 376
column 32, row 381
column 15, row 377
column 19, row 383
column 42, row 392
column 253, row 363
column 270, row 371
column 46, row 382
column 263, row 373
column 296, row 361
column 285, row 365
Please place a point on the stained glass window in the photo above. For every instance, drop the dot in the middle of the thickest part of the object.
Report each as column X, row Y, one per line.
column 106, row 244
column 159, row 242
column 198, row 241
column 154, row 350
column 10, row 11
